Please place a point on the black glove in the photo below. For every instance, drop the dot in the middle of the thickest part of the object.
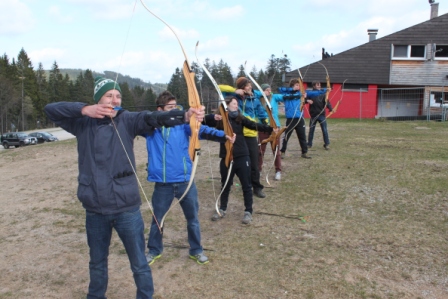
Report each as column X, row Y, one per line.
column 165, row 118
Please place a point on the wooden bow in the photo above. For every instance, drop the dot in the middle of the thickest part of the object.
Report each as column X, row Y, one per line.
column 276, row 133
column 226, row 126
column 275, row 136
column 327, row 93
column 194, row 102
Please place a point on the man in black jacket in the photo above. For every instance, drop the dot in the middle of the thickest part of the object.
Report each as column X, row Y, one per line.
column 317, row 113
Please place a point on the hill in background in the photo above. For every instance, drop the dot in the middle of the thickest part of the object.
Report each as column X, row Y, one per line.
column 132, row 82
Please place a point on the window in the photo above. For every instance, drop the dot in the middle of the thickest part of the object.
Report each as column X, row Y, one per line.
column 356, row 87
column 441, row 51
column 408, row 51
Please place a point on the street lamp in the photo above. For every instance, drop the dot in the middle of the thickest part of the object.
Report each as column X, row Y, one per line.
column 23, row 114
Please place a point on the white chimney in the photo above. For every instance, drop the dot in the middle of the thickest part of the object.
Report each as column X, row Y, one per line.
column 434, row 10
column 372, row 34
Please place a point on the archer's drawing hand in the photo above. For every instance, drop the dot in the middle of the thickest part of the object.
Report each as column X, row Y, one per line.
column 98, row 110
column 218, row 117
column 239, row 92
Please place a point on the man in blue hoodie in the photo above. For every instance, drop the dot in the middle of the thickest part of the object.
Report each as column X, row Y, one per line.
column 170, row 166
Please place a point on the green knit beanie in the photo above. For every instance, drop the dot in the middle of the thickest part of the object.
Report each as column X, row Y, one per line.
column 103, row 85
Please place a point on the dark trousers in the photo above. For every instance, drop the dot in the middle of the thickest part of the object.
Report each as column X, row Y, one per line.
column 300, row 128
column 252, row 144
column 241, row 167
column 323, row 125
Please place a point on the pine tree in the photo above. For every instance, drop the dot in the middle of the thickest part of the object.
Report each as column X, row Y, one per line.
column 9, row 95
column 149, row 99
column 178, row 87
column 42, row 95
column 241, row 71
column 28, row 86
column 127, row 99
column 87, row 86
column 226, row 75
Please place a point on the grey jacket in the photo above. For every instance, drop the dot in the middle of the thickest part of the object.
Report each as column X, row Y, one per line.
column 107, row 183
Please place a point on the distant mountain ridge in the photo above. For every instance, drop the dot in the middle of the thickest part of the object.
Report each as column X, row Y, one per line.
column 132, row 82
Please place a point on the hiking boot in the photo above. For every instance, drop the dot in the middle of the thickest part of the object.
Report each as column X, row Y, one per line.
column 278, row 176
column 151, row 258
column 217, row 217
column 259, row 193
column 306, row 156
column 247, row 218
column 200, row 258
column 282, row 155
column 326, row 146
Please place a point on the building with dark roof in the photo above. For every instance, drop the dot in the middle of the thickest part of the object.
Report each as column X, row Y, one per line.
column 415, row 57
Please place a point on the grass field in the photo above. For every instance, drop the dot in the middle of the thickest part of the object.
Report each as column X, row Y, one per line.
column 366, row 219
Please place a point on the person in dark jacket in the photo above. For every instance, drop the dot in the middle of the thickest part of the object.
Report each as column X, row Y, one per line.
column 107, row 183
column 241, row 159
column 317, row 112
column 170, row 166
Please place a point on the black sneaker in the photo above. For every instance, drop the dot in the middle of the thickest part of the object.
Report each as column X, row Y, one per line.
column 306, row 156
column 259, row 193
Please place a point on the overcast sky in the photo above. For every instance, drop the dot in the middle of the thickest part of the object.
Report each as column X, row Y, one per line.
column 121, row 36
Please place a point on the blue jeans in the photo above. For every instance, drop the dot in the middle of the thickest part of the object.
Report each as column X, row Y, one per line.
column 129, row 226
column 163, row 196
column 323, row 125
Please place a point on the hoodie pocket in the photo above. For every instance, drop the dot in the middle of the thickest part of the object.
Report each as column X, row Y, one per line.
column 126, row 191
column 85, row 193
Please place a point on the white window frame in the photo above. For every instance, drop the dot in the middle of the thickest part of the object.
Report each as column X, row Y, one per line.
column 408, row 56
column 435, row 54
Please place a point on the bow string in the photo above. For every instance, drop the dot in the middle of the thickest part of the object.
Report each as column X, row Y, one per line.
column 223, row 110
column 194, row 102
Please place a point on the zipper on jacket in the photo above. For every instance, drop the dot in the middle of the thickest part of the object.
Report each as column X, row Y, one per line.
column 165, row 135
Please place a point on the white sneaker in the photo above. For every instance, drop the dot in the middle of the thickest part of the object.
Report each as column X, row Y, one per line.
column 278, row 176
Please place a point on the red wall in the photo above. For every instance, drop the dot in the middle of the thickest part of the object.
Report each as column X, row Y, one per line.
column 352, row 104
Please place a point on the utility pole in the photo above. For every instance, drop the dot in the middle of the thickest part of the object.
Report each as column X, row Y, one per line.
column 23, row 113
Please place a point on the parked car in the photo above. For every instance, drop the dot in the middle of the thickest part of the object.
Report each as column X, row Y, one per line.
column 43, row 137
column 17, row 139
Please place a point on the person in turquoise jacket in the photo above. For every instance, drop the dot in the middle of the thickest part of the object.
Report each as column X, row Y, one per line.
column 170, row 166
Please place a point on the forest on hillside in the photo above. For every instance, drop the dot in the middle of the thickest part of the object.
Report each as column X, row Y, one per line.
column 25, row 90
